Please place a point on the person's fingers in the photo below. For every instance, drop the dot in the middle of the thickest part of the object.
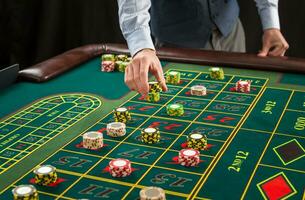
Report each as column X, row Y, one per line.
column 277, row 51
column 144, row 87
column 136, row 75
column 265, row 50
column 129, row 77
column 158, row 73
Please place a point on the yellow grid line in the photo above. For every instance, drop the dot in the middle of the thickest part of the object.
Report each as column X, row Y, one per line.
column 233, row 135
column 266, row 147
column 282, row 168
column 44, row 137
column 114, row 147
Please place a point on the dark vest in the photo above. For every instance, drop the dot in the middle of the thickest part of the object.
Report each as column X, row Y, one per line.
column 189, row 23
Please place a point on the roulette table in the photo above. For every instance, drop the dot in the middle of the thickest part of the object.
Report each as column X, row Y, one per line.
column 256, row 140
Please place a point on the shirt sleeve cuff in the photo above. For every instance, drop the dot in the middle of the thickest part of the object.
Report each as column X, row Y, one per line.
column 270, row 18
column 138, row 40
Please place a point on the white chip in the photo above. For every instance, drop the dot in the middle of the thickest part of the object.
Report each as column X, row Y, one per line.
column 173, row 73
column 189, row 152
column 93, row 135
column 174, row 106
column 122, row 109
column 214, row 69
column 150, row 130
column 196, row 136
column 44, row 169
column 120, row 163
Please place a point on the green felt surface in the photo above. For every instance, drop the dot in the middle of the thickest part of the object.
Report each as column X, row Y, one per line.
column 246, row 135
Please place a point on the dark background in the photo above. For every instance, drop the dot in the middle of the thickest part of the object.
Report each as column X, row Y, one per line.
column 34, row 30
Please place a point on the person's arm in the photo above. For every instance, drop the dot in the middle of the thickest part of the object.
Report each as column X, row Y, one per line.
column 274, row 43
column 134, row 22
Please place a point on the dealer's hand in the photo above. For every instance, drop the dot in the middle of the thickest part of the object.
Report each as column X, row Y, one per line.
column 136, row 74
column 274, row 43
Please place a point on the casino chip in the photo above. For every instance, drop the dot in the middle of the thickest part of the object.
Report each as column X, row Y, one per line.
column 122, row 115
column 154, row 87
column 189, row 157
column 152, row 193
column 243, row 86
column 198, row 90
column 25, row 192
column 121, row 57
column 153, row 97
column 150, row 135
column 107, row 66
column 45, row 175
column 108, row 57
column 122, row 66
column 197, row 141
column 216, row 73
column 116, row 129
column 173, row 77
column 120, row 167
column 93, row 140
column 175, row 109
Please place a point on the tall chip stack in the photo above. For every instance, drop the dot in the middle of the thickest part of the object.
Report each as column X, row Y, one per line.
column 154, row 92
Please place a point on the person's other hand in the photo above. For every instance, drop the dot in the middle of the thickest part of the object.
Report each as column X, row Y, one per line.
column 136, row 74
column 274, row 43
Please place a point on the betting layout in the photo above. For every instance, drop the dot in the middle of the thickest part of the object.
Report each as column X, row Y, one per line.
column 205, row 128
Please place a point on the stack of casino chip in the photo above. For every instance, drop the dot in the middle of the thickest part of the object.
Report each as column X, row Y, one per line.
column 93, row 140
column 45, row 175
column 175, row 109
column 122, row 115
column 189, row 157
column 198, row 90
column 122, row 66
column 107, row 63
column 121, row 57
column 152, row 193
column 154, row 92
column 216, row 73
column 120, row 167
column 197, row 141
column 25, row 192
column 116, row 129
column 108, row 66
column 173, row 77
column 243, row 86
column 150, row 135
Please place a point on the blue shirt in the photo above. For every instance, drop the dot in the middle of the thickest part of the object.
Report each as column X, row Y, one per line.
column 134, row 19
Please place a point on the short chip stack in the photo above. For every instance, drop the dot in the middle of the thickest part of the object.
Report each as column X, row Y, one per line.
column 189, row 157
column 216, row 73
column 122, row 115
column 173, row 77
column 120, row 167
column 243, row 86
column 45, row 175
column 198, row 90
column 25, row 192
column 175, row 109
column 154, row 92
column 122, row 66
column 93, row 140
column 152, row 193
column 116, row 129
column 197, row 141
column 150, row 135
